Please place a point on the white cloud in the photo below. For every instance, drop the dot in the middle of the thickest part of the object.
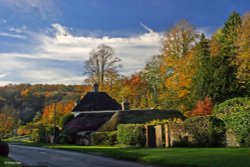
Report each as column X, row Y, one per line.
column 3, row 83
column 17, row 30
column 64, row 46
column 3, row 75
column 4, row 21
column 10, row 35
column 204, row 30
column 43, row 8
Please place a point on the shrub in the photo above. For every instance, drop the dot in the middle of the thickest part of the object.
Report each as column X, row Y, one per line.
column 239, row 124
column 104, row 138
column 234, row 105
column 236, row 115
column 131, row 134
column 4, row 149
column 38, row 135
column 23, row 130
column 206, row 131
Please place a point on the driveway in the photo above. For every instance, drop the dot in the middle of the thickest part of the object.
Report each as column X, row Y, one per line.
column 44, row 157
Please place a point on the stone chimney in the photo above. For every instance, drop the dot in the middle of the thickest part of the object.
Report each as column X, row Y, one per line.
column 125, row 105
column 95, row 87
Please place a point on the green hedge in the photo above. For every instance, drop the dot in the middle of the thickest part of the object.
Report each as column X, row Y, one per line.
column 104, row 138
column 38, row 135
column 206, row 131
column 131, row 134
column 236, row 115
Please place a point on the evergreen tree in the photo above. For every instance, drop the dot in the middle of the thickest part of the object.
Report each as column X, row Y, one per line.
column 224, row 84
column 202, row 78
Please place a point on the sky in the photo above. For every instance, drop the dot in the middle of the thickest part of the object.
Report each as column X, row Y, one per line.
column 47, row 41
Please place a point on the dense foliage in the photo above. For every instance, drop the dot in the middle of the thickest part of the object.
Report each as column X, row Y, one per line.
column 236, row 115
column 131, row 134
column 206, row 131
column 104, row 138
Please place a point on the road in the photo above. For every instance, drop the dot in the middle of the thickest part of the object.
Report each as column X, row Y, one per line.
column 44, row 157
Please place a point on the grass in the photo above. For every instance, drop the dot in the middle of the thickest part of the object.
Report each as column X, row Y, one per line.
column 7, row 162
column 173, row 157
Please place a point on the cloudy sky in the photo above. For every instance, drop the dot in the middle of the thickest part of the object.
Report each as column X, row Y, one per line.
column 46, row 41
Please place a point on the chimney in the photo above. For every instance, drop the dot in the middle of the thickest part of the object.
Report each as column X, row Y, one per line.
column 95, row 87
column 125, row 105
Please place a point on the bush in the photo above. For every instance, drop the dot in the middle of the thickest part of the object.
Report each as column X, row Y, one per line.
column 23, row 130
column 236, row 115
column 131, row 134
column 206, row 131
column 4, row 149
column 38, row 135
column 104, row 138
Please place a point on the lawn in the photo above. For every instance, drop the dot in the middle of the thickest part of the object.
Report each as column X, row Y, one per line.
column 7, row 162
column 171, row 157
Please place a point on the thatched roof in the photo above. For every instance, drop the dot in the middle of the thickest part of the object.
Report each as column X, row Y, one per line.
column 97, row 101
column 87, row 122
column 139, row 116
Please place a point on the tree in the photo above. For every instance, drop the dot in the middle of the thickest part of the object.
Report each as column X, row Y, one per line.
column 224, row 84
column 8, row 117
column 243, row 58
column 153, row 77
column 178, row 64
column 203, row 107
column 179, row 39
column 229, row 35
column 101, row 61
column 61, row 109
column 202, row 78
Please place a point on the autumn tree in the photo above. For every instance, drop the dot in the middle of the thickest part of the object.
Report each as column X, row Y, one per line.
column 203, row 107
column 100, row 64
column 178, row 64
column 243, row 58
column 179, row 39
column 59, row 109
column 8, row 120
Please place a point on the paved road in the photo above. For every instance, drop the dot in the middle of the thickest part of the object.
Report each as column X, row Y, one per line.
column 44, row 157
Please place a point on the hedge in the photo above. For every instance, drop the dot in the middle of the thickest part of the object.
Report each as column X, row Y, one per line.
column 206, row 131
column 104, row 138
column 236, row 115
column 131, row 134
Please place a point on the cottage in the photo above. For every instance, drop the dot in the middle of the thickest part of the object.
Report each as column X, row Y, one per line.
column 97, row 111
column 92, row 111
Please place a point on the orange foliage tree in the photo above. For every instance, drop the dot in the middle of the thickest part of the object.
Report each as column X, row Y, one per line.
column 178, row 64
column 61, row 108
column 203, row 107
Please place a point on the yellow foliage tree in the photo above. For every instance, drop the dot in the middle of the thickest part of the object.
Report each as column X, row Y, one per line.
column 243, row 58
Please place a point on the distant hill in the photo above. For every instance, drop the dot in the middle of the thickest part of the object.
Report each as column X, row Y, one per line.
column 29, row 99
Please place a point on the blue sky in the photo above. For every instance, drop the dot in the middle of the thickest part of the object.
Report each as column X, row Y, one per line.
column 46, row 41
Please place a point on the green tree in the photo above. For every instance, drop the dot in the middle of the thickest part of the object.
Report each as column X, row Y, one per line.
column 154, row 79
column 224, row 84
column 202, row 78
